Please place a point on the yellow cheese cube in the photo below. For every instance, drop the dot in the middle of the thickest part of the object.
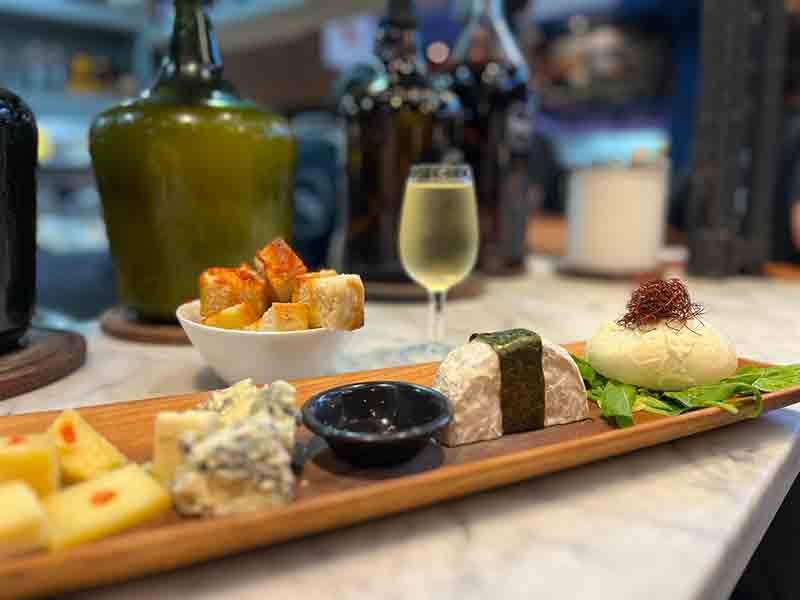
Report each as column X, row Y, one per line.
column 83, row 453
column 23, row 524
column 169, row 427
column 30, row 458
column 111, row 503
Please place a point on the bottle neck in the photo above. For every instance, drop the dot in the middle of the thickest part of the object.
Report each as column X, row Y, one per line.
column 397, row 44
column 491, row 8
column 194, row 52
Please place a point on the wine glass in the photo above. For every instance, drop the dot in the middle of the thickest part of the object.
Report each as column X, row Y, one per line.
column 439, row 233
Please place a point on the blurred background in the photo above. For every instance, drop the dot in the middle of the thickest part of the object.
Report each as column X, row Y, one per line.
column 610, row 78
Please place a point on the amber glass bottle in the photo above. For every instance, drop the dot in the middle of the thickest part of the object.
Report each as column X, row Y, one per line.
column 190, row 174
column 490, row 77
column 396, row 118
column 18, row 145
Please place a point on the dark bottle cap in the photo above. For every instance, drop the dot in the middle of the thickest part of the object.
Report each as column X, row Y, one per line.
column 401, row 13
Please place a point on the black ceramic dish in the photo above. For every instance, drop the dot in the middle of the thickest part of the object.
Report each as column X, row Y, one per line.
column 379, row 423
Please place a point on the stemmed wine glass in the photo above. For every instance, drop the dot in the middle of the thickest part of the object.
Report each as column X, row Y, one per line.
column 439, row 233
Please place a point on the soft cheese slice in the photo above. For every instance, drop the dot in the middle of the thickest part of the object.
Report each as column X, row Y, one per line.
column 83, row 453
column 30, row 458
column 564, row 392
column 23, row 523
column 111, row 503
column 169, row 428
column 471, row 379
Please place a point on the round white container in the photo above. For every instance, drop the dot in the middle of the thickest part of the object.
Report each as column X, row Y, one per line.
column 616, row 219
column 263, row 356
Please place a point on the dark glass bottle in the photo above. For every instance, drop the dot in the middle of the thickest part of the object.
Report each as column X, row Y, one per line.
column 490, row 76
column 18, row 159
column 190, row 174
column 395, row 117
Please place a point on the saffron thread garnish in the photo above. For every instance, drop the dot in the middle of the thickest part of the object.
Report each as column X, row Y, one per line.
column 661, row 300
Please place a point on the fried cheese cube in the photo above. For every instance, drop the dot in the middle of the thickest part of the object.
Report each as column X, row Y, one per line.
column 256, row 291
column 278, row 263
column 235, row 317
column 285, row 316
column 303, row 293
column 220, row 288
column 339, row 301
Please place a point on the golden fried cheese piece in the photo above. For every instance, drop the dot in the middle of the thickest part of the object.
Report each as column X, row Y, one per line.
column 238, row 316
column 285, row 316
column 278, row 263
column 304, row 293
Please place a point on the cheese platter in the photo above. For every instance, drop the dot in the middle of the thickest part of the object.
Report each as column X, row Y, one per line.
column 330, row 493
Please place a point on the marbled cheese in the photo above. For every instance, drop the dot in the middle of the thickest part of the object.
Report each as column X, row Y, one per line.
column 470, row 378
column 564, row 392
column 239, row 468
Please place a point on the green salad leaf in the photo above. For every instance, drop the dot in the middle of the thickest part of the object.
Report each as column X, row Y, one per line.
column 618, row 401
column 658, row 406
column 617, row 404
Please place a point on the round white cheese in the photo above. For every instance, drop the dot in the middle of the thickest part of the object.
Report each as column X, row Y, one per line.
column 664, row 357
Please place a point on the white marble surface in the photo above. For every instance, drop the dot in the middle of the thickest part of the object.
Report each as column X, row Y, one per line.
column 679, row 521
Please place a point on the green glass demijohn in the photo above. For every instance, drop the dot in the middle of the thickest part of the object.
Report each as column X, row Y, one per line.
column 190, row 174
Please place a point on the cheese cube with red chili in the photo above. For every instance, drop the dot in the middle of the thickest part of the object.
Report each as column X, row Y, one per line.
column 83, row 453
column 32, row 459
column 108, row 504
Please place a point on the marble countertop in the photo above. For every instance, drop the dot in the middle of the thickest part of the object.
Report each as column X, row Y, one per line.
column 678, row 521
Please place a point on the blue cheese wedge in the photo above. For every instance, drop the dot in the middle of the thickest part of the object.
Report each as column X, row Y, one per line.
column 169, row 429
column 245, row 399
column 471, row 377
column 240, row 468
column 236, row 402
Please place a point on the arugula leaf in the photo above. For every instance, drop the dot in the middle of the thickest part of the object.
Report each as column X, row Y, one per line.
column 703, row 396
column 774, row 379
column 617, row 405
column 618, row 401
column 590, row 376
column 659, row 406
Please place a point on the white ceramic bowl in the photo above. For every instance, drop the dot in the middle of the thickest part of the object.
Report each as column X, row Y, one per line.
column 263, row 355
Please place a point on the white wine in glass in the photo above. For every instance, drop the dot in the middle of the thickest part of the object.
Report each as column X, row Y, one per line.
column 439, row 232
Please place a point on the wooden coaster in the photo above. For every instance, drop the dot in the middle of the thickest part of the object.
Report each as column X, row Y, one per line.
column 121, row 322
column 785, row 271
column 638, row 277
column 42, row 357
column 474, row 286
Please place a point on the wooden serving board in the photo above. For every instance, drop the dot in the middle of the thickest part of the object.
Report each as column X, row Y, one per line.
column 330, row 494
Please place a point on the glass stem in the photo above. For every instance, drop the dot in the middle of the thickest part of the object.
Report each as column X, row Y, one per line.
column 437, row 322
